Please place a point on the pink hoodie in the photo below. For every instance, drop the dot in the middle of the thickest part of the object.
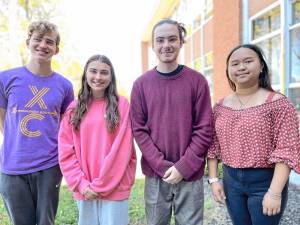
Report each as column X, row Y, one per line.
column 93, row 157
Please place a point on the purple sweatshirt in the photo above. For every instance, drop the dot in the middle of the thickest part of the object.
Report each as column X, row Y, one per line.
column 171, row 122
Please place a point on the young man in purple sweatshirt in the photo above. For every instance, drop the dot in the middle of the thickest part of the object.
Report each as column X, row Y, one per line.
column 171, row 122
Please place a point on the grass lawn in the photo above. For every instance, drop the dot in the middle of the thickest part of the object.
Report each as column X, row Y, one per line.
column 67, row 210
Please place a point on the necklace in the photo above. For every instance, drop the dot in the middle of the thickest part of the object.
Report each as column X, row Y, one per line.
column 244, row 104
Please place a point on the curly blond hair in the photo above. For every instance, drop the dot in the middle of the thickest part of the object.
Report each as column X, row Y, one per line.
column 43, row 27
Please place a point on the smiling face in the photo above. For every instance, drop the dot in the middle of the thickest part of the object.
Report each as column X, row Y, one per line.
column 42, row 46
column 166, row 43
column 244, row 67
column 98, row 77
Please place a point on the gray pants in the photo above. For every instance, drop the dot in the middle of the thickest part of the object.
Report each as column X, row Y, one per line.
column 31, row 199
column 185, row 199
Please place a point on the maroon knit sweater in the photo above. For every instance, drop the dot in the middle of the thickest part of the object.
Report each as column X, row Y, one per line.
column 171, row 121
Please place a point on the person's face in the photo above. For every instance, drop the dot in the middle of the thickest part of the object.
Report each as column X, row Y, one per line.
column 98, row 77
column 166, row 43
column 42, row 46
column 244, row 67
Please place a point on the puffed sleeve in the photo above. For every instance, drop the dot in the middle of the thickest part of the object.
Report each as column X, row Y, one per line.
column 214, row 149
column 286, row 137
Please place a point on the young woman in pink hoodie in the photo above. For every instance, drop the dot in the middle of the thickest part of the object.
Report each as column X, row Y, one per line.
column 96, row 152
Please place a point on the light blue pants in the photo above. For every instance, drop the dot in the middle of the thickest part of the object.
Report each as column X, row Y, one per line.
column 102, row 212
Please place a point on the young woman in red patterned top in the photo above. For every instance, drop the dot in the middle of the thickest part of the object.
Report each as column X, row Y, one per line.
column 256, row 137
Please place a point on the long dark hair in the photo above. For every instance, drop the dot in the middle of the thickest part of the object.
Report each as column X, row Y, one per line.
column 85, row 96
column 264, row 76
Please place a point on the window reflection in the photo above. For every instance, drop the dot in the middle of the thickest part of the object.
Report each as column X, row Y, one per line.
column 208, row 8
column 207, row 69
column 294, row 96
column 266, row 23
column 296, row 12
column 197, row 22
column 271, row 48
column 208, row 59
column 295, row 55
column 197, row 64
column 208, row 73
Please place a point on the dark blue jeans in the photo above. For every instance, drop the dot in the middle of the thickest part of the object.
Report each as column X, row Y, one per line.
column 31, row 199
column 244, row 190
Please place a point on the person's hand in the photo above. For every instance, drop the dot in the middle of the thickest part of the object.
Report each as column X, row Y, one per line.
column 172, row 176
column 218, row 192
column 271, row 204
column 89, row 194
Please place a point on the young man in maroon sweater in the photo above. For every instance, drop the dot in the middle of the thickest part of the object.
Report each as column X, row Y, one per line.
column 171, row 121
